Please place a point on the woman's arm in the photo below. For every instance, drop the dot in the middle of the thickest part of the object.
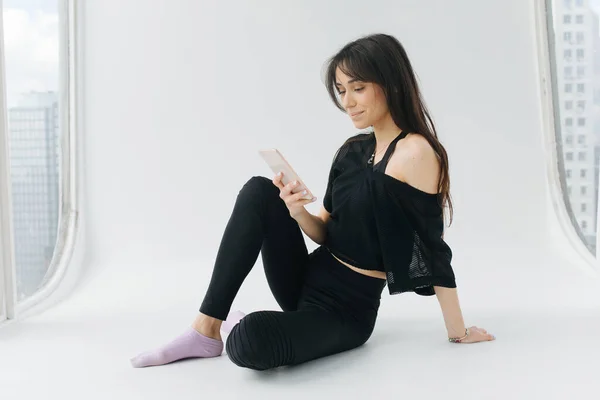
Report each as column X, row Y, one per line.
column 448, row 299
column 315, row 227
column 417, row 164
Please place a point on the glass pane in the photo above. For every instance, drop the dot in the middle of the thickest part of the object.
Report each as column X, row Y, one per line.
column 31, row 38
column 577, row 65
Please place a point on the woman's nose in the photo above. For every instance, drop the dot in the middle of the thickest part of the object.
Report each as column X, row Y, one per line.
column 347, row 101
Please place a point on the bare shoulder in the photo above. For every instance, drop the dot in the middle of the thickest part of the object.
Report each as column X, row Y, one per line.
column 415, row 162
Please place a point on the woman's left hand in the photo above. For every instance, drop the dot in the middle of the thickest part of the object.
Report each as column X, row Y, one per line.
column 478, row 335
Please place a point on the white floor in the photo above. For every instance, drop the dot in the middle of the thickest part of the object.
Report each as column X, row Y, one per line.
column 547, row 324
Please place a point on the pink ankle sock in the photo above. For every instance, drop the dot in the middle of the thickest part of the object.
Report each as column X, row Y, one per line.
column 189, row 344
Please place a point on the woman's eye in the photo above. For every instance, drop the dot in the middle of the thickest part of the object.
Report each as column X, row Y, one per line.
column 356, row 90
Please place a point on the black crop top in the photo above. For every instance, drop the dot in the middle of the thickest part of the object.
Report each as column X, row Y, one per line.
column 381, row 223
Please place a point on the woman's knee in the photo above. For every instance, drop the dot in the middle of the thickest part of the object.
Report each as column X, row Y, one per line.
column 257, row 343
column 260, row 184
column 259, row 188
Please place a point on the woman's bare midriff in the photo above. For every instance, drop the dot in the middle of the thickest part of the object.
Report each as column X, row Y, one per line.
column 367, row 272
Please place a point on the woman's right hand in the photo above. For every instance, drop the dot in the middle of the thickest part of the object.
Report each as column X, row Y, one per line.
column 294, row 201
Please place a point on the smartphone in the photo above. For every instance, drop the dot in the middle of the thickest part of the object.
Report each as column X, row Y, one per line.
column 277, row 162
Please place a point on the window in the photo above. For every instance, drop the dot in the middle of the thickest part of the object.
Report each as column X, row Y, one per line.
column 580, row 38
column 580, row 105
column 580, row 88
column 568, row 71
column 568, row 3
column 579, row 3
column 569, row 121
column 584, row 190
column 582, row 173
column 581, row 139
column 580, row 71
column 567, row 19
column 569, row 156
column 568, row 53
column 584, row 225
column 580, row 54
column 568, row 173
column 581, row 156
column 36, row 59
column 568, row 87
column 583, row 207
column 567, row 36
column 580, row 121
column 579, row 19
column 569, row 139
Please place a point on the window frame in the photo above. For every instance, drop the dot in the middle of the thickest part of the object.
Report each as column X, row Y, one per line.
column 546, row 38
column 68, row 216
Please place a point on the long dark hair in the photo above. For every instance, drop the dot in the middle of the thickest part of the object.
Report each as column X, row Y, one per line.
column 381, row 59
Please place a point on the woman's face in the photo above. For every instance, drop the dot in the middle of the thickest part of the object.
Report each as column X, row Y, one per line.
column 364, row 102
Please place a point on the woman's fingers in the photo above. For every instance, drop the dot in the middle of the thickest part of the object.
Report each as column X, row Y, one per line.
column 287, row 190
column 293, row 201
column 277, row 180
column 298, row 197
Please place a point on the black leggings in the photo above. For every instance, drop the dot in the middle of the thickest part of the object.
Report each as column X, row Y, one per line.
column 327, row 307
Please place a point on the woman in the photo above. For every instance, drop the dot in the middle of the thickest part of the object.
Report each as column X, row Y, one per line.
column 381, row 223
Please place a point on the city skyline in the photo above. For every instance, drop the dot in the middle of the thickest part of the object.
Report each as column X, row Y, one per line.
column 34, row 132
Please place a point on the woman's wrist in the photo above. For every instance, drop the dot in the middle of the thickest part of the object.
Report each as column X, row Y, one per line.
column 311, row 225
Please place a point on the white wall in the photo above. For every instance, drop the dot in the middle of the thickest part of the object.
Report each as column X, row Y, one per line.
column 180, row 95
